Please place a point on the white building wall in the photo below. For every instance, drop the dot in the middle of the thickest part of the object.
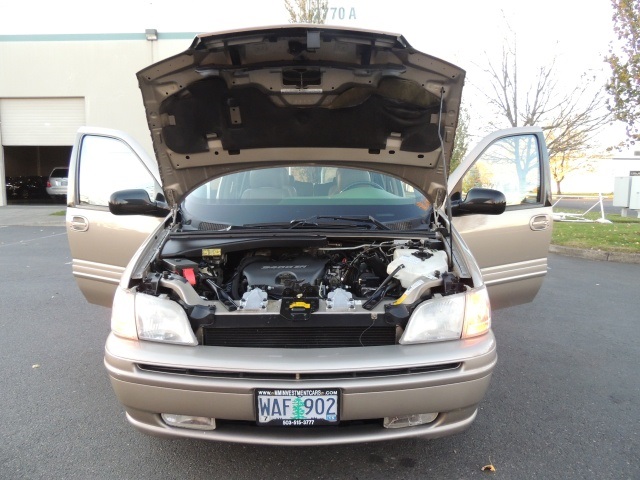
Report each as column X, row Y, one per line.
column 99, row 68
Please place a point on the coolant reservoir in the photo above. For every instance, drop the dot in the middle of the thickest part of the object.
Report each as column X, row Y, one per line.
column 416, row 264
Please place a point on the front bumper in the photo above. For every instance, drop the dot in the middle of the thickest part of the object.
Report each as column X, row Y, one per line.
column 450, row 378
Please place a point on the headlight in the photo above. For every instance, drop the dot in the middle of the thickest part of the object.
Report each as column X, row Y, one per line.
column 123, row 322
column 457, row 316
column 162, row 320
column 136, row 315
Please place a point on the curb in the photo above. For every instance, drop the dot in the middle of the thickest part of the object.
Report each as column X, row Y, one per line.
column 596, row 254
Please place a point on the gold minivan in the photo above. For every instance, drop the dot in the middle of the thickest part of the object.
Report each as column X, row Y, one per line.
column 297, row 265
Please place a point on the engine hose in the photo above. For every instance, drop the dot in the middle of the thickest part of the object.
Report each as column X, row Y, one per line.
column 377, row 296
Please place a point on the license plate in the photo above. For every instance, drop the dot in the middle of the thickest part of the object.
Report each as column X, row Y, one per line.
column 298, row 408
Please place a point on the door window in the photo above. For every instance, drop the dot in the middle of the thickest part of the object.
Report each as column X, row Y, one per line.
column 510, row 165
column 107, row 165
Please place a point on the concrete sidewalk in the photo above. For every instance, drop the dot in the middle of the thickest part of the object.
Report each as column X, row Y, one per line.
column 32, row 215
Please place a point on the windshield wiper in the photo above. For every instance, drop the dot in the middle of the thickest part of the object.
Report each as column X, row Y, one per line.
column 366, row 219
column 260, row 225
column 304, row 223
column 338, row 221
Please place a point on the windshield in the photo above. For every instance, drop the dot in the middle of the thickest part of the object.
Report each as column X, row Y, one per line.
column 303, row 197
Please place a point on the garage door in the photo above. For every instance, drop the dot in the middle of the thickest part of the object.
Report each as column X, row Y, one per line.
column 40, row 121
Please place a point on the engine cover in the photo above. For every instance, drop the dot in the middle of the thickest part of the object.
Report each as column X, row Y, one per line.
column 272, row 273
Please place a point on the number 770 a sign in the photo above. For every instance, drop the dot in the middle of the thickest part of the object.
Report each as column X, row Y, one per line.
column 341, row 13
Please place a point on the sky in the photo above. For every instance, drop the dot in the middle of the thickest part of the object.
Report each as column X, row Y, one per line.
column 468, row 33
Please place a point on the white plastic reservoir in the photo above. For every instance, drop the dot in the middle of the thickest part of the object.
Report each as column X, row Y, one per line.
column 416, row 266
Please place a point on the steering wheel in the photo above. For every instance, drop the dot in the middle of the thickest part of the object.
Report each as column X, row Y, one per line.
column 361, row 184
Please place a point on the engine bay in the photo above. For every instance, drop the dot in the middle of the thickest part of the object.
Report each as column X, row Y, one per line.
column 258, row 286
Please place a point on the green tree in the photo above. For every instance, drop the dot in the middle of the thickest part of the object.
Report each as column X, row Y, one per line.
column 624, row 59
column 461, row 142
column 307, row 11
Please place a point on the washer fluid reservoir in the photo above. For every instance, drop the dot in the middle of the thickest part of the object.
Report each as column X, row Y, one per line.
column 424, row 263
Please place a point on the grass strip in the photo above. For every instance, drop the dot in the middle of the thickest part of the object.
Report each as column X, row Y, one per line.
column 623, row 235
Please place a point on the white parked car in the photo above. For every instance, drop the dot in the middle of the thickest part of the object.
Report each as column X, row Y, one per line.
column 57, row 183
column 293, row 266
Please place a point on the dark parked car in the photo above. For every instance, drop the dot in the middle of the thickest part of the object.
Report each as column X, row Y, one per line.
column 11, row 187
column 26, row 187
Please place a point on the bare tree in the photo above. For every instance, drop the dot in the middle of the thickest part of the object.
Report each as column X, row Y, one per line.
column 570, row 121
column 307, row 11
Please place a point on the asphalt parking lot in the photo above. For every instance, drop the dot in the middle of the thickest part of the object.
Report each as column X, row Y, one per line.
column 564, row 401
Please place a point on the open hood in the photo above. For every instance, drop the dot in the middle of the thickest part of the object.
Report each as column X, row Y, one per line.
column 301, row 94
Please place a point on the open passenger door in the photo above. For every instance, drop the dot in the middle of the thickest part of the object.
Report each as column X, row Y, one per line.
column 102, row 162
column 511, row 248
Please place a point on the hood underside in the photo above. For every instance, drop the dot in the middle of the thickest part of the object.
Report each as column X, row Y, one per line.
column 301, row 94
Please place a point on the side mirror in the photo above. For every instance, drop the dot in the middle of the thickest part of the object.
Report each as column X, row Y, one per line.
column 136, row 202
column 480, row 200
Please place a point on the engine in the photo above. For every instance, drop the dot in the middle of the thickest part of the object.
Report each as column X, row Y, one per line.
column 231, row 294
column 274, row 276
column 312, row 272
column 340, row 274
